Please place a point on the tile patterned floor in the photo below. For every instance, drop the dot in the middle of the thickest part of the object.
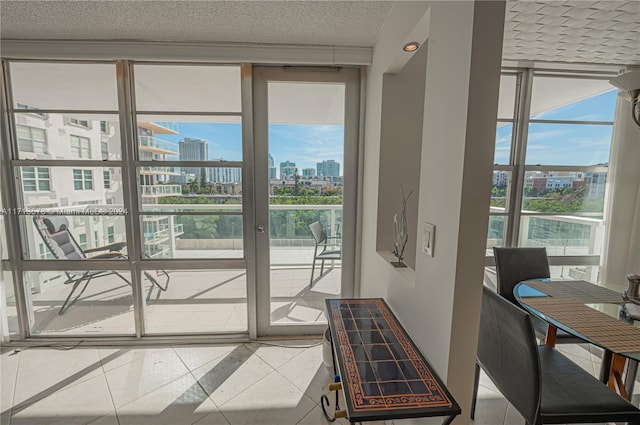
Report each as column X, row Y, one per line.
column 277, row 383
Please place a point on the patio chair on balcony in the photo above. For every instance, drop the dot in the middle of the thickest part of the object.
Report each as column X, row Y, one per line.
column 55, row 233
column 330, row 247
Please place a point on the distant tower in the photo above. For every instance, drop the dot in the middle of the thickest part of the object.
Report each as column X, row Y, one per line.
column 308, row 172
column 272, row 168
column 193, row 150
column 328, row 168
column 287, row 169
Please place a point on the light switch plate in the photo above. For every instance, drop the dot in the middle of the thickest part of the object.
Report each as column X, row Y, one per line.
column 429, row 238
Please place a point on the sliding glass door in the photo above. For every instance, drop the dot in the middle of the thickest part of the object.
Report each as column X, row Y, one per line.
column 305, row 146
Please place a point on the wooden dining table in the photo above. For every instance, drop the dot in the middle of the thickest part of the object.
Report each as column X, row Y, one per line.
column 593, row 313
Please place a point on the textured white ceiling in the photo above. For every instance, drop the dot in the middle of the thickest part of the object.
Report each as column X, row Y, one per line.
column 578, row 31
column 339, row 23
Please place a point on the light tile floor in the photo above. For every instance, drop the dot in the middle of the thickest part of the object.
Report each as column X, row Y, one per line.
column 277, row 383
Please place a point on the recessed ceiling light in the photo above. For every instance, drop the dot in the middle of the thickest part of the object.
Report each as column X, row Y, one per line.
column 411, row 47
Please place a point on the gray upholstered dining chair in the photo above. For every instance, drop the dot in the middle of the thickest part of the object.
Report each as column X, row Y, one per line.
column 538, row 381
column 513, row 265
column 330, row 247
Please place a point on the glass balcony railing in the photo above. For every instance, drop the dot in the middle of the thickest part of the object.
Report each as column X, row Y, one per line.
column 173, row 126
column 159, row 171
column 158, row 144
column 160, row 190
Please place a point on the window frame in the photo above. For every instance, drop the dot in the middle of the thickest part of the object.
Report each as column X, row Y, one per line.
column 31, row 139
column 83, row 179
column 79, row 150
column 513, row 213
column 37, row 179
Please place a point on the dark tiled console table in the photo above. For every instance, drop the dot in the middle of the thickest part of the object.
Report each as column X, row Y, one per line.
column 383, row 375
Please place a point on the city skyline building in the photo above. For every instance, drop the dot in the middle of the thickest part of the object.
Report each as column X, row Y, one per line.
column 308, row 172
column 194, row 150
column 328, row 168
column 287, row 169
column 272, row 168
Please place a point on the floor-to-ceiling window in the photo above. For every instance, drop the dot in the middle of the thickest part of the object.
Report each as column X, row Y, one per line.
column 127, row 204
column 132, row 212
column 552, row 150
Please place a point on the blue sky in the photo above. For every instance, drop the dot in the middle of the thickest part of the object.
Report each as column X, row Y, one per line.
column 550, row 144
column 566, row 144
column 303, row 144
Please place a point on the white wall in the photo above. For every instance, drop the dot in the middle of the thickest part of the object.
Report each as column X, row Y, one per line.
column 439, row 304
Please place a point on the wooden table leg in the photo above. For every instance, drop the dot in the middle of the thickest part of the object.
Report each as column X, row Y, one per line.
column 550, row 337
column 618, row 363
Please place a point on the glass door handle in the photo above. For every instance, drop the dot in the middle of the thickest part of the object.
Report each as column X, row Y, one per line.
column 260, row 228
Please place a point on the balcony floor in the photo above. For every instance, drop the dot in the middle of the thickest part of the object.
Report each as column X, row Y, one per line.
column 201, row 301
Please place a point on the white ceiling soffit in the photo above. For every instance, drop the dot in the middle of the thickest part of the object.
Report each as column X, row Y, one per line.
column 329, row 23
column 573, row 31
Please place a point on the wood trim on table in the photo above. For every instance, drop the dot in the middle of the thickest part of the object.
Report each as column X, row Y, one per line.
column 616, row 370
column 550, row 337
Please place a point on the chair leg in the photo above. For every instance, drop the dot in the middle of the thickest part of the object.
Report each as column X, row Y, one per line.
column 476, row 381
column 322, row 268
column 313, row 268
column 66, row 303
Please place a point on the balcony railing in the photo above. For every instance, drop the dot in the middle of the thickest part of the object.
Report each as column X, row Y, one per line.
column 159, row 171
column 160, row 190
column 155, row 143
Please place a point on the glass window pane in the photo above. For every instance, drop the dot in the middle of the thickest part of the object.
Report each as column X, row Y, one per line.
column 562, row 235
column 189, row 138
column 67, row 237
column 573, row 99
column 565, row 192
column 104, row 307
column 504, row 135
column 193, row 236
column 496, row 233
column 53, row 136
column 11, row 311
column 568, row 144
column 75, row 86
column 190, row 88
column 588, row 273
column 196, row 301
column 500, row 191
column 190, row 188
column 507, row 99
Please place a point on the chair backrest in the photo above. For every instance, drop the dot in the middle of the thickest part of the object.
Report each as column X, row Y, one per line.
column 508, row 353
column 54, row 231
column 513, row 265
column 318, row 233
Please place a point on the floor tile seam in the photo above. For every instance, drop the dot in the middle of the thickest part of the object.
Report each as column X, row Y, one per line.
column 42, row 397
column 309, row 412
column 197, row 367
column 15, row 384
column 245, row 390
column 138, row 359
column 113, row 402
column 67, row 388
column 304, row 393
column 301, row 350
column 292, row 383
column 149, row 392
